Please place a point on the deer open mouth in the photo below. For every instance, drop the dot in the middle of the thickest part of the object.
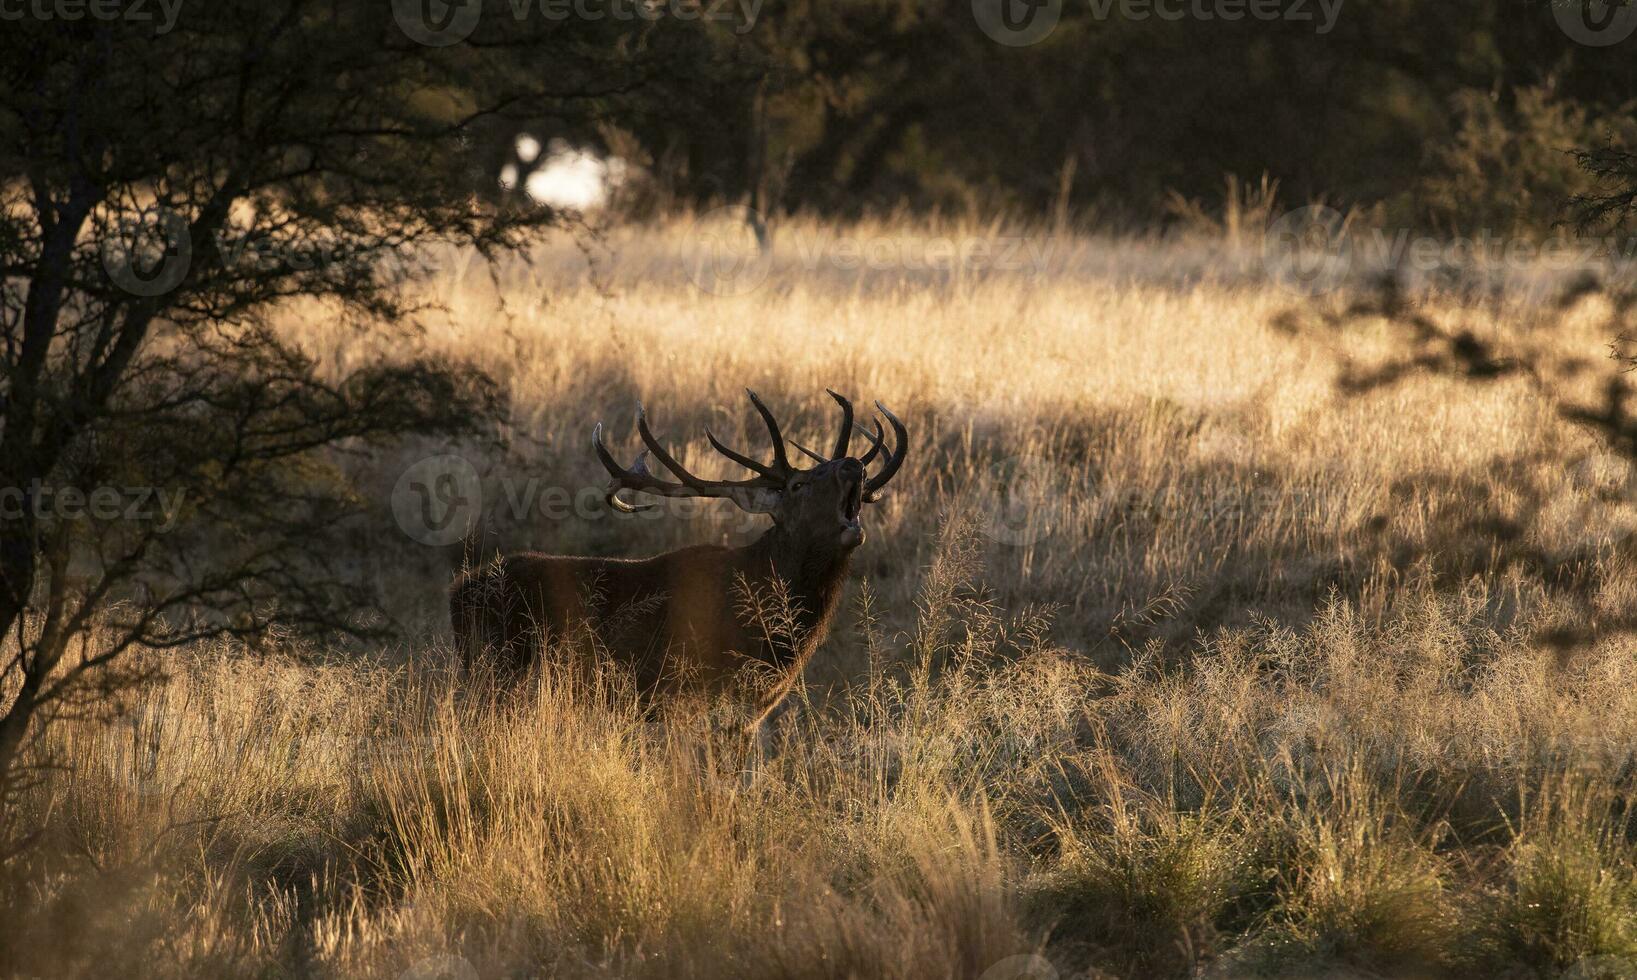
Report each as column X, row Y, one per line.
column 852, row 502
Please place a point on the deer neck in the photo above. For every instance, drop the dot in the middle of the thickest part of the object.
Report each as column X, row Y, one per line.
column 813, row 575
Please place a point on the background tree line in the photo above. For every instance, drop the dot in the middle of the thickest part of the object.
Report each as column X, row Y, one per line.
column 1448, row 117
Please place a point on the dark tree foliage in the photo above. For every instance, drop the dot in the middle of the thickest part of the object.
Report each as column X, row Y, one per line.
column 1614, row 204
column 874, row 104
column 167, row 460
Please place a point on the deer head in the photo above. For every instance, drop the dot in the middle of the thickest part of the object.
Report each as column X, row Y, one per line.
column 819, row 506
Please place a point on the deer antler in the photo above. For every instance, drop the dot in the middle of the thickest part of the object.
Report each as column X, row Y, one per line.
column 846, row 425
column 842, row 437
column 757, row 496
column 781, row 462
column 875, row 441
column 895, row 459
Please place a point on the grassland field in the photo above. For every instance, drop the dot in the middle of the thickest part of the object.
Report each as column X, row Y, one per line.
column 1196, row 638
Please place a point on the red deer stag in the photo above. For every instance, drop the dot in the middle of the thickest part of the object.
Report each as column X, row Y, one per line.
column 687, row 620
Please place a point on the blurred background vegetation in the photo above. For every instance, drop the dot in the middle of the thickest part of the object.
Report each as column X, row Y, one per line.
column 1448, row 118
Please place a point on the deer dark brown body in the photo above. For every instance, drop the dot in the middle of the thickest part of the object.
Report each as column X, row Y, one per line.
column 703, row 618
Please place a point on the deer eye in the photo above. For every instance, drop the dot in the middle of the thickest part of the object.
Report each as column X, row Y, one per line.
column 799, row 488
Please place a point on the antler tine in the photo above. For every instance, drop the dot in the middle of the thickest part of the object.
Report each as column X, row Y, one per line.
column 840, row 452
column 895, row 460
column 815, row 457
column 635, row 478
column 741, row 459
column 875, row 441
column 781, row 462
column 665, row 458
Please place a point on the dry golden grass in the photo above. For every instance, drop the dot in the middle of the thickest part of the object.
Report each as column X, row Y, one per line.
column 1166, row 655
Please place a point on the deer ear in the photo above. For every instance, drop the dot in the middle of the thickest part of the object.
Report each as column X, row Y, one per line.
column 757, row 500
